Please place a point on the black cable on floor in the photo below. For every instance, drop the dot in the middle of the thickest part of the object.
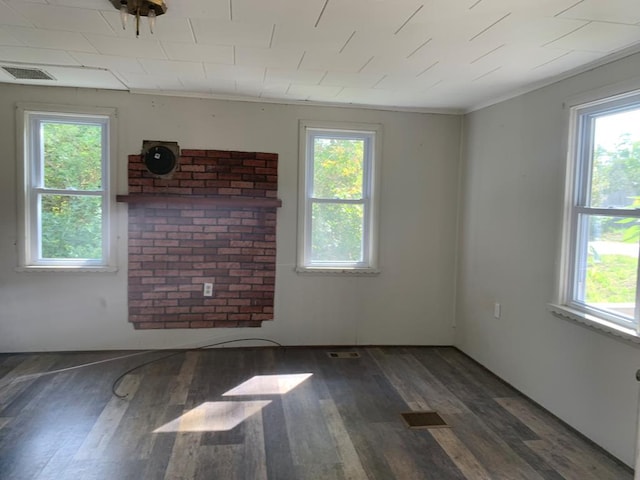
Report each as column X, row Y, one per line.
column 33, row 376
column 116, row 382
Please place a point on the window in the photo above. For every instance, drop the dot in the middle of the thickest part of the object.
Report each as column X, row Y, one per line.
column 65, row 203
column 337, row 224
column 602, row 231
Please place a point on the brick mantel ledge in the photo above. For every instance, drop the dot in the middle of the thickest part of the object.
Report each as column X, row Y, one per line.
column 257, row 202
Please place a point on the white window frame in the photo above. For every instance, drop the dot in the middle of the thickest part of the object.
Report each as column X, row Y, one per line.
column 577, row 186
column 372, row 134
column 28, row 119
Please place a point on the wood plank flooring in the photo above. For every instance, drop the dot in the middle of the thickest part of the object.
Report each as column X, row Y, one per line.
column 235, row 414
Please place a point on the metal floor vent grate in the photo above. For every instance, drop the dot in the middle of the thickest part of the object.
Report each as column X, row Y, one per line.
column 27, row 73
column 343, row 354
column 425, row 419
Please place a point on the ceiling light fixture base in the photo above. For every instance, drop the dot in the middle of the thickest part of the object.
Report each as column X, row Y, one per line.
column 140, row 8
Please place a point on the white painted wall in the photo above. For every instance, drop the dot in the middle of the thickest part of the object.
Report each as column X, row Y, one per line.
column 411, row 302
column 512, row 201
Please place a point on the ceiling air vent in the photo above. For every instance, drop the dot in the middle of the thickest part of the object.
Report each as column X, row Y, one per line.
column 27, row 73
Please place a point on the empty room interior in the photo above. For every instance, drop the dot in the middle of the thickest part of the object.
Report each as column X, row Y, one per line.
column 319, row 239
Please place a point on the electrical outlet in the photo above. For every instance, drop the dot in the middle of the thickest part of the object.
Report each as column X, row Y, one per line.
column 497, row 310
column 208, row 290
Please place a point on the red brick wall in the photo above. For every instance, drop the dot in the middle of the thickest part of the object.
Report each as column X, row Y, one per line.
column 175, row 247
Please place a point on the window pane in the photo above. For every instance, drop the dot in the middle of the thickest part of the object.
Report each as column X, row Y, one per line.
column 72, row 156
column 615, row 180
column 608, row 266
column 337, row 233
column 338, row 168
column 71, row 226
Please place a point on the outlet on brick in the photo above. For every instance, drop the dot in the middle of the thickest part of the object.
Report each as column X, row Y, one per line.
column 224, row 234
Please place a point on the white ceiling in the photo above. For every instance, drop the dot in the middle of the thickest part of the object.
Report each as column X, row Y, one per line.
column 415, row 54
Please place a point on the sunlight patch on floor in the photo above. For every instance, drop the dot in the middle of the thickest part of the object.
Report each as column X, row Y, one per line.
column 268, row 384
column 214, row 416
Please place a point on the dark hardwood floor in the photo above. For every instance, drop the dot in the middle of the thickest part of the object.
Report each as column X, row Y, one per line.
column 272, row 413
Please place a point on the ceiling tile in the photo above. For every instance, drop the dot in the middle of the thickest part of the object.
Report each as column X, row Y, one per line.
column 92, row 4
column 522, row 29
column 620, row 11
column 384, row 43
column 6, row 38
column 284, row 58
column 262, row 89
column 57, row 39
column 313, row 92
column 196, row 84
column 62, row 18
column 300, row 13
column 233, row 72
column 110, row 62
column 455, row 52
column 459, row 52
column 308, row 77
column 453, row 72
column 276, row 96
column 355, row 80
column 221, row 32
column 599, row 37
column 198, row 53
column 199, row 9
column 149, row 82
column 568, row 62
column 223, row 87
column 307, row 37
column 168, row 67
column 453, row 22
column 419, row 83
column 362, row 96
column 36, row 56
column 539, row 8
column 519, row 57
column 9, row 16
column 203, row 85
column 388, row 65
column 334, row 61
column 456, row 31
column 364, row 14
column 126, row 47
column 511, row 76
column 436, row 11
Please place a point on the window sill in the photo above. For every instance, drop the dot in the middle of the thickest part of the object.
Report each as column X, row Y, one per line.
column 66, row 269
column 338, row 271
column 592, row 321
